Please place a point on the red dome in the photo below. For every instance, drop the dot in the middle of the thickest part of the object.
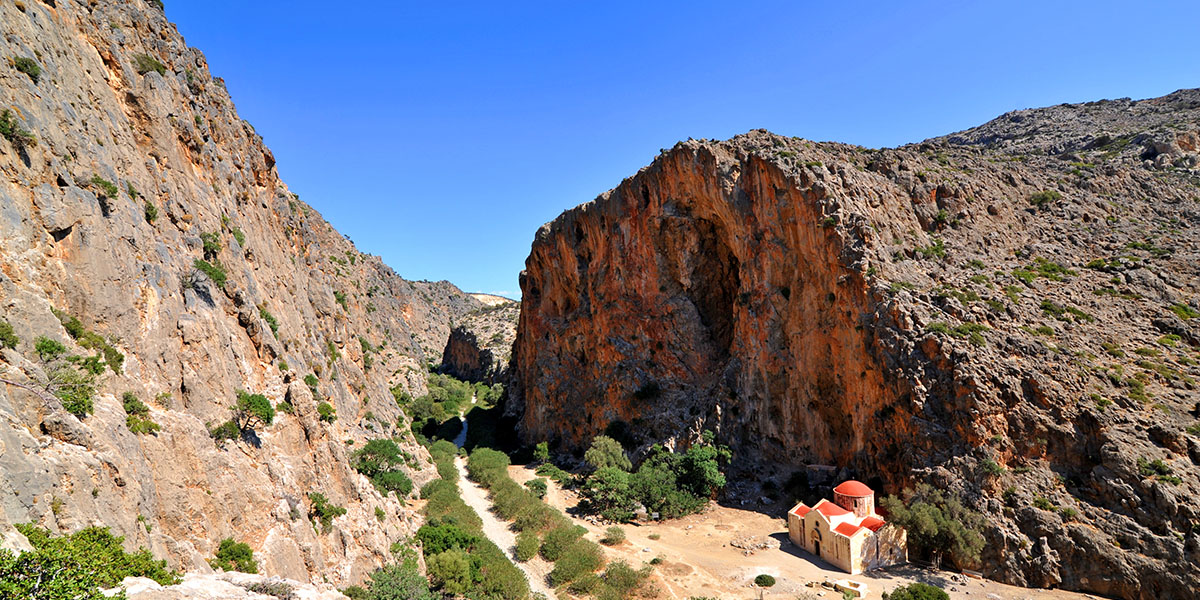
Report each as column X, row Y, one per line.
column 853, row 488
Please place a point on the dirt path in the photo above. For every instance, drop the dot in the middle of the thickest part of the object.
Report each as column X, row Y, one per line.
column 496, row 530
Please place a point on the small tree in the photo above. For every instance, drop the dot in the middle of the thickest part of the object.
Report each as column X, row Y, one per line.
column 938, row 524
column 252, row 410
column 235, row 556
column 607, row 452
column 541, row 453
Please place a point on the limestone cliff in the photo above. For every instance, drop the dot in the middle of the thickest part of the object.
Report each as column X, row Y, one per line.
column 123, row 164
column 1009, row 312
column 479, row 348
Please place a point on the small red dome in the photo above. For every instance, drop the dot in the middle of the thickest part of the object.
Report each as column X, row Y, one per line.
column 853, row 488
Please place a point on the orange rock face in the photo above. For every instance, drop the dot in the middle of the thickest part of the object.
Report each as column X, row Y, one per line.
column 942, row 313
column 707, row 291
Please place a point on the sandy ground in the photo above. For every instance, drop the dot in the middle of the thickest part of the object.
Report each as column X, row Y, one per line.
column 496, row 530
column 698, row 559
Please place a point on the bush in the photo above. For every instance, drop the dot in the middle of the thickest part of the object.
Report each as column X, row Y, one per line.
column 323, row 510
column 450, row 571
column 917, row 591
column 251, row 410
column 380, row 461
column 1044, row 198
column 214, row 271
column 108, row 189
column 938, row 524
column 8, row 338
column 764, row 580
column 270, row 319
column 612, row 536
column 527, row 545
column 28, row 66
column 279, row 589
column 541, row 452
column 137, row 415
column 399, row 582
column 234, row 556
column 537, row 487
column 225, row 431
column 98, row 551
column 487, row 466
column 557, row 540
column 326, row 412
column 607, row 452
column 144, row 63
column 580, row 558
column 150, row 211
column 13, row 132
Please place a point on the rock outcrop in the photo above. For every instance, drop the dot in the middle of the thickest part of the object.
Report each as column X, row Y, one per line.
column 479, row 348
column 129, row 189
column 1008, row 313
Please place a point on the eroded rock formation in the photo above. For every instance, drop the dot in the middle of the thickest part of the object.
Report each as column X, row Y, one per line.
column 1004, row 308
column 140, row 168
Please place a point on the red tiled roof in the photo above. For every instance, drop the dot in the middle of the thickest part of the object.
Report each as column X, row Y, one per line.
column 830, row 509
column 873, row 523
column 800, row 510
column 847, row 529
column 854, row 488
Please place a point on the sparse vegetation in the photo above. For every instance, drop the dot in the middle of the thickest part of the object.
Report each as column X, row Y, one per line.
column 150, row 211
column 764, row 580
column 323, row 510
column 144, row 63
column 28, row 66
column 234, row 556
column 214, row 271
column 8, row 338
column 1044, row 198
column 107, row 188
column 137, row 417
column 13, row 132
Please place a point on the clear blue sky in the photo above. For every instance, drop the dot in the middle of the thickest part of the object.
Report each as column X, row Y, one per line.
column 441, row 135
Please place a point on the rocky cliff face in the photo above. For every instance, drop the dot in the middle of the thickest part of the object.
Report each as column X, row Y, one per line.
column 122, row 165
column 480, row 347
column 1009, row 313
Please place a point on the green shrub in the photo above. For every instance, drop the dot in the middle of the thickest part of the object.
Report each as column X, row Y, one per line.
column 150, row 211
column 992, row 468
column 234, row 556
column 8, row 338
column 1044, row 198
column 937, row 523
column 108, row 189
column 936, row 249
column 578, row 559
column 399, row 582
column 13, row 132
column 252, row 410
column 99, row 552
column 213, row 270
column 450, row 571
column 355, row 592
column 764, row 580
column 28, row 66
column 1185, row 312
column 537, row 487
column 557, row 540
column 340, row 297
column 239, row 236
column 917, row 591
column 211, row 242
column 137, row 417
column 528, row 545
column 607, row 452
column 144, row 63
column 612, row 536
column 271, row 322
column 326, row 412
column 380, row 514
column 380, row 461
column 487, row 466
column 323, row 510
column 225, row 431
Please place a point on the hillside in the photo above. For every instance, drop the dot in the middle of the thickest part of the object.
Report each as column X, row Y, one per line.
column 1008, row 313
column 144, row 222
